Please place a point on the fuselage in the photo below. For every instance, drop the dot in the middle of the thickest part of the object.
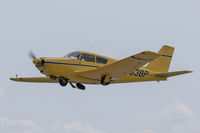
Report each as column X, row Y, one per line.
column 67, row 67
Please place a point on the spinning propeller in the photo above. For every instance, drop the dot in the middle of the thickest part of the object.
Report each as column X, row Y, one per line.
column 37, row 61
column 32, row 55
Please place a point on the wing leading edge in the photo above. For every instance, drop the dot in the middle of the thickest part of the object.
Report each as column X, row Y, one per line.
column 122, row 67
column 35, row 79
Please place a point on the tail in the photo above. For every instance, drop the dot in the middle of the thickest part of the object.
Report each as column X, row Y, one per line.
column 162, row 63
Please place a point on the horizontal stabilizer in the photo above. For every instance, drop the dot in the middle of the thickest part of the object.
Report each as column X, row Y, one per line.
column 35, row 79
column 171, row 74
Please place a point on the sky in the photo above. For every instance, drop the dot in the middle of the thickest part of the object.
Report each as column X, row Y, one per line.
column 114, row 28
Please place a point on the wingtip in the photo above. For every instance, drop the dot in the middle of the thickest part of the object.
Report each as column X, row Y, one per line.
column 12, row 79
column 187, row 71
column 16, row 79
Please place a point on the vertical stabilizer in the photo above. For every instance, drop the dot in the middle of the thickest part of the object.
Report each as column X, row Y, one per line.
column 162, row 63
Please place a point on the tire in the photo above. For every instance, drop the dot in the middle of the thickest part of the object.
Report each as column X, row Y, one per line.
column 80, row 86
column 63, row 82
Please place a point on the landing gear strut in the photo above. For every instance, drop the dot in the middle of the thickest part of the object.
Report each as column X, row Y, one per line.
column 105, row 80
column 63, row 82
column 80, row 86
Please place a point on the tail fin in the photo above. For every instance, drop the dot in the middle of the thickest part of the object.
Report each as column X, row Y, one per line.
column 162, row 63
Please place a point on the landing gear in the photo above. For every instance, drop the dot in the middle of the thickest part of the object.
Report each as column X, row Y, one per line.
column 80, row 86
column 105, row 80
column 63, row 82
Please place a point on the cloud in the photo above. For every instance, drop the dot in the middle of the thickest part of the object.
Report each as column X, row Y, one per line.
column 77, row 127
column 8, row 125
column 177, row 110
column 18, row 126
column 186, row 127
column 169, row 112
column 176, row 118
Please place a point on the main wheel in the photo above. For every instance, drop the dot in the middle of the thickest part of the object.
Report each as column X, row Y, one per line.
column 80, row 86
column 63, row 82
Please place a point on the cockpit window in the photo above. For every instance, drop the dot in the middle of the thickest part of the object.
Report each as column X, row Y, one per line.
column 87, row 57
column 101, row 60
column 74, row 55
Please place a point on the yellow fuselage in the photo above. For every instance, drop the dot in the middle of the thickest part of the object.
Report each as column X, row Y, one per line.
column 68, row 68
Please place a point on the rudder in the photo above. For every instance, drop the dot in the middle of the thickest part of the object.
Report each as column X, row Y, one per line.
column 162, row 63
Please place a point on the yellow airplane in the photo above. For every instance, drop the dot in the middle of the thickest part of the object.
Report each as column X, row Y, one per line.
column 89, row 68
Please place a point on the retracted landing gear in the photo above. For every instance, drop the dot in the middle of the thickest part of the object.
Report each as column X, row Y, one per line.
column 80, row 86
column 63, row 82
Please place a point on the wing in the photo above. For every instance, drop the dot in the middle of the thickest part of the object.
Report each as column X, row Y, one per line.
column 120, row 68
column 35, row 79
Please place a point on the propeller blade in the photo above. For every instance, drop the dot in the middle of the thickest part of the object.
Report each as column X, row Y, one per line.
column 32, row 55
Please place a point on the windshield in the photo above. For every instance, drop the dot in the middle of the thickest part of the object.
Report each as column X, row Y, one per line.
column 74, row 55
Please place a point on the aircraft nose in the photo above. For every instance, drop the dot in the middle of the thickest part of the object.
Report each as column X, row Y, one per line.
column 38, row 62
column 35, row 61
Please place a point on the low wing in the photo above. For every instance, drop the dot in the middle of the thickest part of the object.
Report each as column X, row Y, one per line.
column 171, row 74
column 35, row 79
column 120, row 68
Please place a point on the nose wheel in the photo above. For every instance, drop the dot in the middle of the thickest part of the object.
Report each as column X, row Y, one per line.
column 63, row 82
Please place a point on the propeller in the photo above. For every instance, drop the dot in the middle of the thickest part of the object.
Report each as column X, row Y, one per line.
column 32, row 55
column 40, row 62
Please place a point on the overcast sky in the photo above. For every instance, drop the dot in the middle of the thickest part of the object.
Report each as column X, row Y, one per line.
column 114, row 28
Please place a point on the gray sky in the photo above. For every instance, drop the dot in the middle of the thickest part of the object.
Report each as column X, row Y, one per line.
column 113, row 28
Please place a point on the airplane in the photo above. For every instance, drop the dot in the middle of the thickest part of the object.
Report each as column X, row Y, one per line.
column 88, row 68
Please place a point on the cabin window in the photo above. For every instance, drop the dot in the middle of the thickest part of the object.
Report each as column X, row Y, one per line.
column 101, row 60
column 73, row 55
column 88, row 58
